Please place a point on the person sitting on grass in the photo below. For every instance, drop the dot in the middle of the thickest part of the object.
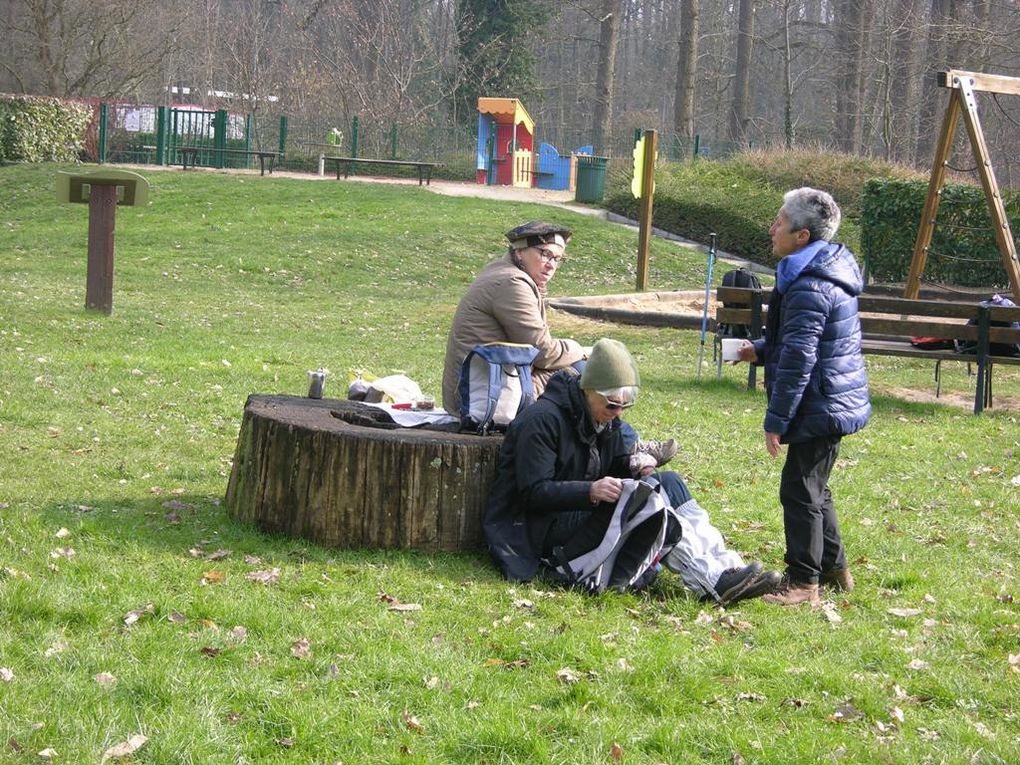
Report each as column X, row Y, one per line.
column 559, row 477
column 506, row 304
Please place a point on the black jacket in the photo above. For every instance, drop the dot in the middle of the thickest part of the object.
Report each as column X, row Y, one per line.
column 550, row 456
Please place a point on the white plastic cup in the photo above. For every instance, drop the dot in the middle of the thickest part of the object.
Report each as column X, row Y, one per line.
column 731, row 348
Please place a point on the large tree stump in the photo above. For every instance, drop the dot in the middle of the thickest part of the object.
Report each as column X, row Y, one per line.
column 341, row 474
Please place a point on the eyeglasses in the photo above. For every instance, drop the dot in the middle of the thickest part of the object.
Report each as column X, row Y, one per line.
column 616, row 406
column 548, row 256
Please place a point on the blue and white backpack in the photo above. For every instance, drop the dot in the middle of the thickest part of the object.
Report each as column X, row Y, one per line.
column 495, row 384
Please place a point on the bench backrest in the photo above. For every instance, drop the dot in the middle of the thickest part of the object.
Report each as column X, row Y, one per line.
column 894, row 318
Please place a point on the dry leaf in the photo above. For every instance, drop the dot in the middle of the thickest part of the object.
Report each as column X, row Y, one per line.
column 7, row 675
column 472, row 705
column 176, row 617
column 59, row 646
column 750, row 697
column 176, row 504
column 301, row 648
column 616, row 752
column 523, row 603
column 271, row 576
column 917, row 664
column 212, row 577
column 412, row 722
column 47, row 753
column 829, row 611
column 14, row 746
column 897, row 714
column 432, row 682
column 252, row 560
column 209, row 651
column 929, row 735
column 104, row 678
column 133, row 616
column 904, row 612
column 62, row 533
column 567, row 675
column 845, row 713
column 130, row 746
column 404, row 607
column 218, row 554
column 63, row 552
column 737, row 759
column 286, row 742
column 238, row 634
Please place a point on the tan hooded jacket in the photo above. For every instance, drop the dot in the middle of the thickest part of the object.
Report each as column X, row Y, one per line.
column 503, row 305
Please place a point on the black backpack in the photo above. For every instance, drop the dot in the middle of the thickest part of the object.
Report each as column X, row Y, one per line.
column 738, row 277
column 994, row 349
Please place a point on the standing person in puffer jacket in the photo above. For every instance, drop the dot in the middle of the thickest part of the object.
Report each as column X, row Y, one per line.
column 816, row 385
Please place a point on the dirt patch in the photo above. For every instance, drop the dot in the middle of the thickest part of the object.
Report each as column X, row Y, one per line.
column 961, row 400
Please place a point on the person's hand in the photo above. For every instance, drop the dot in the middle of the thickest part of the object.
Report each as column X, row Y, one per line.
column 747, row 353
column 772, row 444
column 606, row 489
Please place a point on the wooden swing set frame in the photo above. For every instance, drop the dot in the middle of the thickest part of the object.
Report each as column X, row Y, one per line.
column 962, row 102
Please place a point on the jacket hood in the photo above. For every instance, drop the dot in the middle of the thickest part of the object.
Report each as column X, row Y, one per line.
column 830, row 261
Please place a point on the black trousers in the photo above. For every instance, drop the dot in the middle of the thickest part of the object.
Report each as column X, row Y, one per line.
column 813, row 542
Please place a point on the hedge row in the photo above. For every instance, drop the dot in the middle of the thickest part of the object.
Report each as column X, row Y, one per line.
column 39, row 129
column 963, row 250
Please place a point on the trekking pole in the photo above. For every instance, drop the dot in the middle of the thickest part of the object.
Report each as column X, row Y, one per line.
column 704, row 313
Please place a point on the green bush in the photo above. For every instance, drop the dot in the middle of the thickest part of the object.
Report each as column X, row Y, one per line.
column 963, row 250
column 35, row 129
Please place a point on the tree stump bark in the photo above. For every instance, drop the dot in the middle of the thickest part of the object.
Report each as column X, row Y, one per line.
column 341, row 474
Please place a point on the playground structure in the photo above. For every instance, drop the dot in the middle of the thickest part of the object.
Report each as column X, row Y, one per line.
column 963, row 103
column 506, row 150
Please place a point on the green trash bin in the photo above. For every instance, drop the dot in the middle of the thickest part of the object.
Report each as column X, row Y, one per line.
column 591, row 178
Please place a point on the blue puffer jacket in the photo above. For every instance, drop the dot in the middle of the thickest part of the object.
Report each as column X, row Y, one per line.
column 814, row 370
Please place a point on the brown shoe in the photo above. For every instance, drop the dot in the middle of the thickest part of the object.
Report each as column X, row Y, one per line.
column 838, row 579
column 793, row 594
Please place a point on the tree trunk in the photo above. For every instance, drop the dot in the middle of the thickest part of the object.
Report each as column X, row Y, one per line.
column 602, row 114
column 686, row 73
column 742, row 72
column 340, row 474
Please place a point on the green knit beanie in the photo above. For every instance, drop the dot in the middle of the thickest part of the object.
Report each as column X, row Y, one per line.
column 609, row 366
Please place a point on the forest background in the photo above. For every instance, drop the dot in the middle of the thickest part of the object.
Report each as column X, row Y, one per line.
column 856, row 76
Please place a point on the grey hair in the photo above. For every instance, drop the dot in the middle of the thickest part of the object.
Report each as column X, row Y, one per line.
column 624, row 394
column 814, row 210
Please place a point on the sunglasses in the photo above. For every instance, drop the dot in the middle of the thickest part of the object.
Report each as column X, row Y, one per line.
column 549, row 256
column 616, row 406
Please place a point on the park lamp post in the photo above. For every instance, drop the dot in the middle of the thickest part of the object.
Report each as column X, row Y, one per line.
column 102, row 191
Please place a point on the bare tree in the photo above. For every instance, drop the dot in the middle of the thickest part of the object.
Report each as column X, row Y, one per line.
column 602, row 112
column 686, row 71
column 742, row 72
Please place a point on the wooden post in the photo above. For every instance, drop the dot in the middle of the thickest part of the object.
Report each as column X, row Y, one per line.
column 647, row 195
column 99, row 273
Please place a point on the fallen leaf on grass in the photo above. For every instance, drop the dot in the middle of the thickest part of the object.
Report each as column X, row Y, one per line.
column 133, row 616
column 918, row 664
column 104, row 678
column 795, row 703
column 523, row 603
column 47, row 753
column 62, row 533
column 218, row 554
column 404, row 607
column 904, row 612
column 845, row 713
column 731, row 622
column 63, row 552
column 14, row 746
column 270, row 576
column 927, row 734
column 412, row 722
column 301, row 648
column 124, row 749
column 59, row 646
column 515, row 664
column 6, row 674
column 176, row 617
column 238, row 634
column 567, row 675
column 432, row 682
column 209, row 651
column 737, row 759
column 829, row 612
column 286, row 742
column 750, row 697
column 252, row 560
column 212, row 577
column 616, row 752
column 172, row 518
column 176, row 504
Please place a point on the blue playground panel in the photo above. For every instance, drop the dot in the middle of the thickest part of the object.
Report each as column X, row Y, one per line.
column 553, row 169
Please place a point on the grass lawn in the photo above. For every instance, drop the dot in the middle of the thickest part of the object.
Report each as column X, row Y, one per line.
column 126, row 607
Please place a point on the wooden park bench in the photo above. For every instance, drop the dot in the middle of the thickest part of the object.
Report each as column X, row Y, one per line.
column 888, row 324
column 347, row 163
column 189, row 154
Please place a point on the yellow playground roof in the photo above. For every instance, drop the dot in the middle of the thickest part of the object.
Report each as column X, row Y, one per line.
column 507, row 108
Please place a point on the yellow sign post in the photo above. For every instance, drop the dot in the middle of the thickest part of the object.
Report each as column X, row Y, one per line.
column 644, row 168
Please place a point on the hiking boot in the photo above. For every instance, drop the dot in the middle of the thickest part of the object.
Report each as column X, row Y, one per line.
column 734, row 582
column 790, row 593
column 661, row 451
column 839, row 579
column 763, row 584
